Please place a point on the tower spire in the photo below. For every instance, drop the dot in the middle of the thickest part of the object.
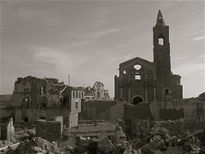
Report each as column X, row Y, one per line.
column 160, row 19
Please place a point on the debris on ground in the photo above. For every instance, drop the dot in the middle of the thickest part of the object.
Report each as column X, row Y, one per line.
column 34, row 146
column 162, row 138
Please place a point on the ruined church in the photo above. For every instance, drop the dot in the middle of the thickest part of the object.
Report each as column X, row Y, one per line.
column 140, row 80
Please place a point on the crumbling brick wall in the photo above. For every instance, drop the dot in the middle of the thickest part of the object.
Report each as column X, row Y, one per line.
column 49, row 130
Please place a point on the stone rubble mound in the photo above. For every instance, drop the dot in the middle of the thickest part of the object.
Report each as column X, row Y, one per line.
column 36, row 145
column 161, row 142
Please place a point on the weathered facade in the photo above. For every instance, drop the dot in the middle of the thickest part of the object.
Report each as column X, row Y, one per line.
column 35, row 98
column 99, row 91
column 143, row 81
column 89, row 94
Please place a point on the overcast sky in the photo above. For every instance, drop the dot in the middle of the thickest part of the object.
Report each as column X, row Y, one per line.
column 88, row 40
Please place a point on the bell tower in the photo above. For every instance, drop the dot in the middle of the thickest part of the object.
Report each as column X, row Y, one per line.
column 161, row 49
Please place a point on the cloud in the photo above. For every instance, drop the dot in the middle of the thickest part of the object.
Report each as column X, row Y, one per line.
column 127, row 57
column 104, row 32
column 101, row 15
column 199, row 38
column 63, row 61
column 178, row 58
column 20, row 10
column 189, row 68
column 79, row 44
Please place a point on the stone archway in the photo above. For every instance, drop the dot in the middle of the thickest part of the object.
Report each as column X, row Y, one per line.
column 137, row 99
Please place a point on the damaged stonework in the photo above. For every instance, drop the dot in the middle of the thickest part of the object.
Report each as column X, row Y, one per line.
column 143, row 81
column 7, row 131
column 188, row 109
column 49, row 130
column 97, row 92
column 102, row 110
column 10, row 131
column 34, row 98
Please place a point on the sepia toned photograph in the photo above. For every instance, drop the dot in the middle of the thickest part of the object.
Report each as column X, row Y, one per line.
column 102, row 77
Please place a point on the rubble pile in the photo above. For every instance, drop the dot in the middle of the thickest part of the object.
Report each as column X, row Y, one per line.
column 160, row 141
column 201, row 137
column 2, row 144
column 24, row 134
column 105, row 145
column 190, row 143
column 34, row 146
column 178, row 128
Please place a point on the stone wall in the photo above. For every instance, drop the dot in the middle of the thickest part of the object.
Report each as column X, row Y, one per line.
column 186, row 109
column 96, row 109
column 73, row 120
column 3, row 131
column 140, row 111
column 35, row 114
column 60, row 119
column 5, row 113
column 93, row 129
column 116, row 111
column 49, row 130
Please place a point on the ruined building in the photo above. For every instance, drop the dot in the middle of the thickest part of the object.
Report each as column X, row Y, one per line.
column 99, row 91
column 143, row 81
column 34, row 98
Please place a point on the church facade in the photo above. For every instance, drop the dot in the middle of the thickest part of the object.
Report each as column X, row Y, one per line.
column 142, row 81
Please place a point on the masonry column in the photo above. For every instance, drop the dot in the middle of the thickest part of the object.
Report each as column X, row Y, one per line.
column 129, row 95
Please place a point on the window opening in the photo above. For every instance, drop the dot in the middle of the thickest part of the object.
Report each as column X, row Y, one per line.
column 76, row 104
column 137, row 77
column 137, row 67
column 166, row 91
column 161, row 41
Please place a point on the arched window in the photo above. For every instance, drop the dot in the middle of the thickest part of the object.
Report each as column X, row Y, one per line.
column 161, row 41
column 137, row 99
column 76, row 104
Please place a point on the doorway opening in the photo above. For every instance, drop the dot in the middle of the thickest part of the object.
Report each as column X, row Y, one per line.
column 137, row 100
